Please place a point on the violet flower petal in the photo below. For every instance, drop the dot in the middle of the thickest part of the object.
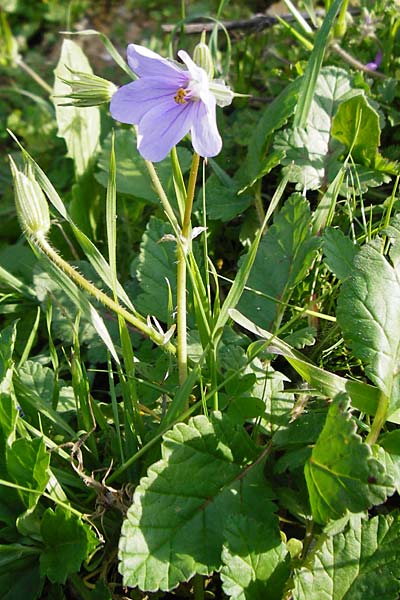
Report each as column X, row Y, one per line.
column 376, row 63
column 167, row 102
column 206, row 139
column 131, row 102
column 146, row 63
column 163, row 127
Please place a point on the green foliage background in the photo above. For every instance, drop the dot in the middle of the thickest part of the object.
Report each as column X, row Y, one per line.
column 273, row 470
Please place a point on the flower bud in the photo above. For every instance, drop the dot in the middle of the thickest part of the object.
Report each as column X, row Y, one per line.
column 87, row 90
column 202, row 57
column 32, row 208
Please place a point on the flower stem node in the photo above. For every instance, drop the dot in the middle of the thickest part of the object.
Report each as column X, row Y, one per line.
column 168, row 101
column 31, row 204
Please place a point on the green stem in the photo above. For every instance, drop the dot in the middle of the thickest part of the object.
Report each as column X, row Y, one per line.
column 308, row 538
column 183, row 247
column 162, row 195
column 86, row 285
column 214, row 378
column 379, row 419
column 391, row 203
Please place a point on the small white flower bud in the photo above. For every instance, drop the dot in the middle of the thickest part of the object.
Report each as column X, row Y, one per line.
column 32, row 208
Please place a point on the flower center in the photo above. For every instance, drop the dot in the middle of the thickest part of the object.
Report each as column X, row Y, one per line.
column 180, row 96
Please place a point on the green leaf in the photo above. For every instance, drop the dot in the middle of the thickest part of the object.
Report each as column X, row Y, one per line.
column 240, row 281
column 391, row 442
column 10, row 553
column 276, row 114
column 311, row 153
column 359, row 563
column 364, row 397
column 368, row 312
column 270, row 388
column 132, row 176
column 339, row 252
column 79, row 127
column 33, row 403
column 39, row 379
column 390, row 462
column 284, row 257
column 68, row 542
column 341, row 473
column 156, row 270
column 223, row 201
column 21, row 578
column 255, row 560
column 175, row 525
column 28, row 465
column 356, row 126
column 302, row 431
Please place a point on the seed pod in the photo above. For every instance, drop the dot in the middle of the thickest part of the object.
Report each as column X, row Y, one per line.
column 32, row 208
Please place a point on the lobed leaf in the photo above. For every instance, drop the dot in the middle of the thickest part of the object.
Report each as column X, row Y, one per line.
column 311, row 153
column 255, row 560
column 368, row 312
column 68, row 542
column 361, row 562
column 341, row 473
column 156, row 271
column 356, row 126
column 339, row 252
column 28, row 466
column 175, row 526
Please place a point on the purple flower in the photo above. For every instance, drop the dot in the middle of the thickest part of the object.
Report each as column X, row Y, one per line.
column 376, row 63
column 167, row 102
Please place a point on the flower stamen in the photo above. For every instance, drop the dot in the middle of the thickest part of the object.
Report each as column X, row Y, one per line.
column 180, row 96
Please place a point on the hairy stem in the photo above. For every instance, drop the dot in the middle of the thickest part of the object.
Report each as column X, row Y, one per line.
column 87, row 286
column 183, row 247
column 162, row 195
